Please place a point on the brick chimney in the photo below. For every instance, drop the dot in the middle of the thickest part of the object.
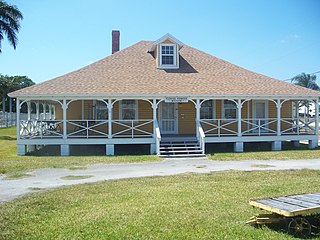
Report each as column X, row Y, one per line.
column 115, row 41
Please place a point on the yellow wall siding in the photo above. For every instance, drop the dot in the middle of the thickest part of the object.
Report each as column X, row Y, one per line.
column 187, row 118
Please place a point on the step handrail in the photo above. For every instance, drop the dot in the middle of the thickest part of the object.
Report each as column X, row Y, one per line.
column 201, row 139
column 158, row 137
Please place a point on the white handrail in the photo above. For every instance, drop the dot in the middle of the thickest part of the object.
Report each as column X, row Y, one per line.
column 201, row 138
column 158, row 137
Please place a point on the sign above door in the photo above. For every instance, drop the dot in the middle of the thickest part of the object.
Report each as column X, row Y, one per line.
column 176, row 100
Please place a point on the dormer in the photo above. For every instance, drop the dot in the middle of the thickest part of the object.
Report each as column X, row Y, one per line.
column 166, row 51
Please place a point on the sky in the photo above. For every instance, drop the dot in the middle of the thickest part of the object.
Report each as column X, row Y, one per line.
column 277, row 38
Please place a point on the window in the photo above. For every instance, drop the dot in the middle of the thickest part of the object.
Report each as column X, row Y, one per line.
column 229, row 109
column 101, row 111
column 207, row 110
column 128, row 110
column 168, row 55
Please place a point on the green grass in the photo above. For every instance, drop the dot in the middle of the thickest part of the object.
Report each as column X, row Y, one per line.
column 261, row 151
column 76, row 177
column 11, row 163
column 188, row 206
column 17, row 175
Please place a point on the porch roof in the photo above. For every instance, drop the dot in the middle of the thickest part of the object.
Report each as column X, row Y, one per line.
column 132, row 72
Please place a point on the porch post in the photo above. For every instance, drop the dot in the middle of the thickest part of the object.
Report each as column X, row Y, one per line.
column 64, row 118
column 21, row 148
column 64, row 148
column 239, row 107
column 18, row 118
column 54, row 112
column 110, row 147
column 29, row 110
column 37, row 110
column 154, row 110
column 109, row 118
column 198, row 108
column 316, row 102
column 278, row 117
column 10, row 111
column 50, row 111
column 44, row 111
column 238, row 146
column 277, row 145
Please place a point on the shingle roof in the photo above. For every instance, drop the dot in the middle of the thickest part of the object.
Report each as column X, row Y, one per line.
column 132, row 71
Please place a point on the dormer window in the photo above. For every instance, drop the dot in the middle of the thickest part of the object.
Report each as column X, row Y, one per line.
column 167, row 54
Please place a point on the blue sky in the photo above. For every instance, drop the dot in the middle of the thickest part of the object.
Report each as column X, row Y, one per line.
column 278, row 38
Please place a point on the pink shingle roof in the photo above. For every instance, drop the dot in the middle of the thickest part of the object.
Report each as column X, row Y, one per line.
column 132, row 71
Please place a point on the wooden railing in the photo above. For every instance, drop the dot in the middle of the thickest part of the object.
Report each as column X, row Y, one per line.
column 41, row 129
column 132, row 128
column 257, row 127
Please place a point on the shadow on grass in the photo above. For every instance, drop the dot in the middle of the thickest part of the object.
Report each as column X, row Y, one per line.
column 212, row 148
column 7, row 138
column 92, row 150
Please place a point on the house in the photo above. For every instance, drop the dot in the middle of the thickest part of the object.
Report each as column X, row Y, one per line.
column 166, row 94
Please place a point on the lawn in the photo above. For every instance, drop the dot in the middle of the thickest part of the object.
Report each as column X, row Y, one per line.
column 11, row 163
column 188, row 206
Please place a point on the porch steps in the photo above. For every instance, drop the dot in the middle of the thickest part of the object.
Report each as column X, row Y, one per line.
column 179, row 148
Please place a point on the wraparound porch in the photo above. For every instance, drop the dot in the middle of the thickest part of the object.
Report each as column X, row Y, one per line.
column 275, row 124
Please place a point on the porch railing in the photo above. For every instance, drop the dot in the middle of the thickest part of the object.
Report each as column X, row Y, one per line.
column 257, row 127
column 132, row 128
column 87, row 128
column 30, row 129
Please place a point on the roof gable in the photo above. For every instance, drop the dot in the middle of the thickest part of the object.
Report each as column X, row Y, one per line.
column 164, row 38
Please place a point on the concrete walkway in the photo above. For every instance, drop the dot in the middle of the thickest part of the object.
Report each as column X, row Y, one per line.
column 50, row 178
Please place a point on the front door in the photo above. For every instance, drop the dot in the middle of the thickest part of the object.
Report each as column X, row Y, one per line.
column 168, row 118
column 260, row 115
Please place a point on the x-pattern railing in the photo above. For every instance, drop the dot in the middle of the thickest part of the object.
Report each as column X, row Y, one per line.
column 40, row 129
column 298, row 126
column 259, row 126
column 133, row 128
column 87, row 128
column 218, row 127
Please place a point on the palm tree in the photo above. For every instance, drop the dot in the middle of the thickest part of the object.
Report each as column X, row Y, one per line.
column 10, row 17
column 307, row 81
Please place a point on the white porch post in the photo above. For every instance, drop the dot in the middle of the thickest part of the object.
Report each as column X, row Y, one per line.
column 198, row 109
column 50, row 111
column 154, row 146
column 316, row 102
column 21, row 148
column 110, row 118
column 313, row 143
column 109, row 147
column 29, row 110
column 238, row 146
column 18, row 118
column 277, row 145
column 64, row 148
column 44, row 111
column 278, row 117
column 37, row 110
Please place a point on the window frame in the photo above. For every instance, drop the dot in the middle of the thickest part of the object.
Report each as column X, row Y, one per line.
column 213, row 107
column 102, row 106
column 175, row 63
column 135, row 109
column 224, row 110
